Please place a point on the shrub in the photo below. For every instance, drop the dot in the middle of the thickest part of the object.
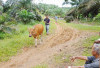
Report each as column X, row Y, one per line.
column 11, row 22
column 69, row 18
column 97, row 18
column 2, row 34
column 6, row 24
column 2, row 19
column 26, row 16
column 38, row 17
column 1, row 8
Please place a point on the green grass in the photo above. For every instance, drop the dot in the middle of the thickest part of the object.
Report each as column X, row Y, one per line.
column 10, row 46
column 62, row 58
column 80, row 26
column 84, row 27
column 41, row 66
column 88, row 43
column 58, row 58
column 90, row 22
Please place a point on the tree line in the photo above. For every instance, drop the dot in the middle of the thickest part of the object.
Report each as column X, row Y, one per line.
column 83, row 9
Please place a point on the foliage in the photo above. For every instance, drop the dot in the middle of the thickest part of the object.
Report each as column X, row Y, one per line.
column 97, row 18
column 74, row 2
column 69, row 18
column 88, row 9
column 1, row 8
column 1, row 2
column 6, row 24
column 26, row 16
column 2, row 19
column 51, row 10
column 23, row 9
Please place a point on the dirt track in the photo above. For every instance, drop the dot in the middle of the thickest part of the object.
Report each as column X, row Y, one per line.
column 51, row 45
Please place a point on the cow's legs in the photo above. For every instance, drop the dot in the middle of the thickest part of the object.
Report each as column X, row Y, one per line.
column 41, row 39
column 36, row 42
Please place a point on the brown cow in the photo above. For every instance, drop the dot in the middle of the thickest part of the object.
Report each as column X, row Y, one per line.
column 36, row 31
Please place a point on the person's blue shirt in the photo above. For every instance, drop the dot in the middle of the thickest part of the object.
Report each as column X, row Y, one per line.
column 56, row 17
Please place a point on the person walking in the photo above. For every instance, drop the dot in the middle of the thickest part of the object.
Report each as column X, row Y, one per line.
column 47, row 23
column 56, row 18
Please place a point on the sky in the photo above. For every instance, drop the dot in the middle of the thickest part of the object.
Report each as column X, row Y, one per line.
column 54, row 2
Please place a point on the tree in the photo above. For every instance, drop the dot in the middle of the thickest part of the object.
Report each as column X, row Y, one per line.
column 12, row 2
column 1, row 8
column 88, row 9
column 74, row 2
column 13, row 6
column 21, row 3
column 26, row 4
column 1, row 2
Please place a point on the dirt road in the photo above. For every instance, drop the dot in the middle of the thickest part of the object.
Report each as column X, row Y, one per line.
column 52, row 44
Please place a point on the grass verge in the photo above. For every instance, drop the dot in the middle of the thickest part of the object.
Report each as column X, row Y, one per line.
column 84, row 27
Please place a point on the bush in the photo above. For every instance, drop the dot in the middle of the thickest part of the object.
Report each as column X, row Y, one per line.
column 2, row 19
column 97, row 18
column 26, row 16
column 38, row 17
column 6, row 24
column 13, row 22
column 2, row 34
column 69, row 18
column 1, row 8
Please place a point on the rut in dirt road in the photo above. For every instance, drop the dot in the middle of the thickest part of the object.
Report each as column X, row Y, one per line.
column 51, row 45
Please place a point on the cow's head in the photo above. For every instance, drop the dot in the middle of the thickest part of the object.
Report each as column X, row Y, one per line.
column 32, row 32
